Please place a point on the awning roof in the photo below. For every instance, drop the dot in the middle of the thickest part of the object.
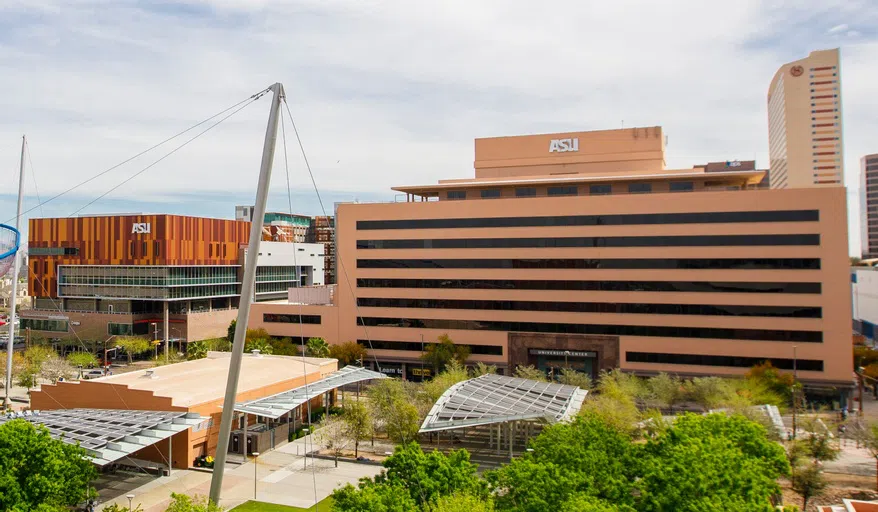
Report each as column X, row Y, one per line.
column 109, row 434
column 277, row 405
column 497, row 399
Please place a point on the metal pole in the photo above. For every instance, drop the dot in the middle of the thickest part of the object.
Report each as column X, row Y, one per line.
column 255, row 478
column 165, row 334
column 170, row 455
column 247, row 288
column 795, row 391
column 15, row 266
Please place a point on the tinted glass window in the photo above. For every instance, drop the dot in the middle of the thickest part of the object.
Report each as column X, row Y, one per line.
column 596, row 307
column 562, row 191
column 681, row 186
column 616, row 286
column 615, row 330
column 730, row 361
column 490, row 193
column 600, row 190
column 416, row 346
column 639, row 188
column 456, row 194
column 608, row 241
column 616, row 263
column 624, row 219
column 291, row 319
column 525, row 192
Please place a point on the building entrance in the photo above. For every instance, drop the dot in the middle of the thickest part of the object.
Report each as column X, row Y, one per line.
column 552, row 362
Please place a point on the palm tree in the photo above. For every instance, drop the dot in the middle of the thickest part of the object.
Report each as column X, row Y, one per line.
column 317, row 347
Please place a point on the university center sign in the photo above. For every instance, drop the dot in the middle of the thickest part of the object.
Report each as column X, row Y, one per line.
column 563, row 145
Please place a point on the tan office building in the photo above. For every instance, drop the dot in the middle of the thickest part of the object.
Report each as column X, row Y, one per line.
column 804, row 123
column 869, row 205
column 583, row 250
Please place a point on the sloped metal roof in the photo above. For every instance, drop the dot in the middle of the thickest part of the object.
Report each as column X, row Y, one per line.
column 277, row 405
column 109, row 434
column 497, row 399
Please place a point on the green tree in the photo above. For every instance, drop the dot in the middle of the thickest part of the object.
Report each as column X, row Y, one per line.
column 32, row 364
column 317, row 347
column 83, row 359
column 584, row 503
column 712, row 462
column 40, row 473
column 184, row 503
column 572, row 377
column 440, row 354
column 808, row 481
column 403, row 423
column 484, row 369
column 454, row 372
column 261, row 344
column 530, row 373
column 230, row 332
column 584, row 456
column 711, row 392
column 666, row 390
column 780, row 383
column 428, row 476
column 372, row 498
column 394, row 410
column 621, row 412
column 460, row 502
column 199, row 349
column 133, row 345
column 358, row 424
column 621, row 385
column 348, row 352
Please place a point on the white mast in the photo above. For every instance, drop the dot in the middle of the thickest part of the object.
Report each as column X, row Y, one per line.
column 14, row 297
column 247, row 286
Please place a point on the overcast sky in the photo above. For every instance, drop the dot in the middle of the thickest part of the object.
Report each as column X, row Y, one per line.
column 392, row 92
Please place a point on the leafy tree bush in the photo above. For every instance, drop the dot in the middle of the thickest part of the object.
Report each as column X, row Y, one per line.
column 666, row 390
column 460, row 502
column 317, row 347
column 440, row 354
column 54, row 368
column 428, row 476
column 358, row 424
column 199, row 349
column 38, row 473
column 454, row 372
column 263, row 345
column 184, row 503
column 530, row 372
column 332, row 435
column 780, row 383
column 133, row 345
column 572, row 377
column 230, row 332
column 83, row 359
column 808, row 481
column 373, row 498
column 484, row 369
column 393, row 409
column 348, row 352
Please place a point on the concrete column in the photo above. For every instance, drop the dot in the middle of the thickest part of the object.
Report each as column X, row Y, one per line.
column 246, row 421
column 165, row 330
column 511, row 437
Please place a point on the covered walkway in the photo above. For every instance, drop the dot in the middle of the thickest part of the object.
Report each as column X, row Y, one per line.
column 277, row 415
column 489, row 402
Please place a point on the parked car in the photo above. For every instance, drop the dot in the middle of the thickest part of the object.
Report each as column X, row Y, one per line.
column 93, row 374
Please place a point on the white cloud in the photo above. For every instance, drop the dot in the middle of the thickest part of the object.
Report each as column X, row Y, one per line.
column 393, row 92
column 838, row 28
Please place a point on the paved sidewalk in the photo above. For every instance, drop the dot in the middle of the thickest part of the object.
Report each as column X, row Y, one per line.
column 282, row 477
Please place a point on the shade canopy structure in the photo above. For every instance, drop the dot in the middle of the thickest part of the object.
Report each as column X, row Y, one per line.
column 108, row 435
column 9, row 241
column 275, row 406
column 493, row 399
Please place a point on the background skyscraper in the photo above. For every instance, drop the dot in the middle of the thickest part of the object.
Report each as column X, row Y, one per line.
column 869, row 205
column 804, row 123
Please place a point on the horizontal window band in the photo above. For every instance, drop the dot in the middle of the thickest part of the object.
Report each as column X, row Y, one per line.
column 595, row 307
column 615, row 286
column 417, row 346
column 727, row 361
column 611, row 330
column 609, row 263
column 597, row 220
column 768, row 240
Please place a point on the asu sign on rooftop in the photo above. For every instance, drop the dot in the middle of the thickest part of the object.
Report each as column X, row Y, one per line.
column 563, row 145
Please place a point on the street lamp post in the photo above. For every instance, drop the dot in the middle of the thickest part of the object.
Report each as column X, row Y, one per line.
column 255, row 479
column 130, row 498
column 795, row 390
column 305, row 457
